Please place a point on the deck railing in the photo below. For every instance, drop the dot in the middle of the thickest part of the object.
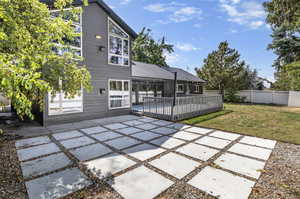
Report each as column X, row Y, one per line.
column 184, row 107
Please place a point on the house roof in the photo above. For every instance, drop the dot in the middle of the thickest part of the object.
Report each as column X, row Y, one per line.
column 109, row 12
column 183, row 75
column 152, row 71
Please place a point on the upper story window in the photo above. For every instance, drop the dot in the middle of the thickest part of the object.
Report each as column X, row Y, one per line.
column 75, row 45
column 118, row 45
column 180, row 88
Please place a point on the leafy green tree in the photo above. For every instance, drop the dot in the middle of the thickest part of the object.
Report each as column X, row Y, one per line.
column 289, row 77
column 223, row 70
column 29, row 66
column 146, row 49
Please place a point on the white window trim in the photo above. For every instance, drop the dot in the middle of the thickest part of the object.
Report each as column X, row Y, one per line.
column 108, row 41
column 75, row 24
column 129, row 92
column 60, row 103
column 197, row 88
column 177, row 90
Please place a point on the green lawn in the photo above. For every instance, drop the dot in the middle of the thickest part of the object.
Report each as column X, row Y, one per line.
column 272, row 122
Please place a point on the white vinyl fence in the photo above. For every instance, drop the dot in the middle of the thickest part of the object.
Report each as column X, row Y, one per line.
column 286, row 98
column 4, row 104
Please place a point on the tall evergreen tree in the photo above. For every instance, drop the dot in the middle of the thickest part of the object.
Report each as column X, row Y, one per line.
column 146, row 49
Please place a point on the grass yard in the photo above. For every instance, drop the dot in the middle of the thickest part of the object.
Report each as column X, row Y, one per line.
column 272, row 122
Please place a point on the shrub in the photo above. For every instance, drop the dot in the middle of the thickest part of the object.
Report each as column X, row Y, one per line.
column 231, row 96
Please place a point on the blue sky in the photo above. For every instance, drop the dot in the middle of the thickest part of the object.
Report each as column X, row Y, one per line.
column 196, row 27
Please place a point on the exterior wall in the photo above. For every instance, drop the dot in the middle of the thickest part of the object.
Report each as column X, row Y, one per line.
column 95, row 105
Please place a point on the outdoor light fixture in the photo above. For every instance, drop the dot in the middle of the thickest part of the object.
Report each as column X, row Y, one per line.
column 98, row 36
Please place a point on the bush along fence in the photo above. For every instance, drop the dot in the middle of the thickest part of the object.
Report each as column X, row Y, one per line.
column 180, row 108
column 285, row 98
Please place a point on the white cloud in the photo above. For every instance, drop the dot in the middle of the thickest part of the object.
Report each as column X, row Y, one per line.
column 123, row 2
column 197, row 25
column 187, row 47
column 178, row 12
column 172, row 58
column 248, row 13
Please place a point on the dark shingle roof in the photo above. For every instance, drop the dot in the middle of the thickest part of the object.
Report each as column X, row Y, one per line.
column 152, row 71
column 108, row 10
column 184, row 75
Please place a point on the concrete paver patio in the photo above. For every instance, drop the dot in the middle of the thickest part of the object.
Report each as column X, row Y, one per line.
column 144, row 156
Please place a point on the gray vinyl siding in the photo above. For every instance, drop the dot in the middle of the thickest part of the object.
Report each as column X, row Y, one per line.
column 94, row 22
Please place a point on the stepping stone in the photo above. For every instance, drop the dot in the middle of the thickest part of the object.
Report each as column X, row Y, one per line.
column 147, row 120
column 179, row 126
column 44, row 165
column 214, row 142
column 242, row 165
column 147, row 126
column 93, row 130
column 198, row 130
column 90, row 152
column 146, row 135
column 77, row 142
column 258, row 142
column 222, row 184
column 162, row 123
column 164, row 131
column 167, row 142
column 129, row 130
column 144, row 151
column 106, row 136
column 197, row 151
column 123, row 142
column 186, row 136
column 140, row 182
column 109, row 165
column 57, row 185
column 32, row 142
column 181, row 166
column 67, row 135
column 251, row 151
column 133, row 123
column 115, row 126
column 36, row 151
column 225, row 135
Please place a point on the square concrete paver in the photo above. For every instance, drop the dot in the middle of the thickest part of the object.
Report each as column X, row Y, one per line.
column 57, row 185
column 225, row 135
column 251, row 151
column 44, row 165
column 161, row 123
column 147, row 119
column 179, row 126
column 90, row 152
column 77, row 142
column 259, row 142
column 147, row 126
column 140, row 183
column 106, row 136
column 67, row 135
column 167, row 142
column 164, row 131
column 115, row 126
column 144, row 151
column 175, row 165
column 123, row 142
column 93, row 130
column 146, row 135
column 199, row 130
column 133, row 123
column 108, row 165
column 129, row 130
column 197, row 151
column 186, row 136
column 222, row 184
column 214, row 142
column 32, row 141
column 242, row 165
column 36, row 151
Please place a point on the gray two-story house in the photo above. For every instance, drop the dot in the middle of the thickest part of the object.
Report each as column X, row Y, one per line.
column 105, row 46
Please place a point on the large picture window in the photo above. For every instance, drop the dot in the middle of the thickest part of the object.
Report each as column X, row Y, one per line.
column 119, row 94
column 75, row 45
column 118, row 45
column 59, row 104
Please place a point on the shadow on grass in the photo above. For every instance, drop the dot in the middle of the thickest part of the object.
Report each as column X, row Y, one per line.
column 209, row 116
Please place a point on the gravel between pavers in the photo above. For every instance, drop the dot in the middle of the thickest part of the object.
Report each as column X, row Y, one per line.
column 281, row 178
